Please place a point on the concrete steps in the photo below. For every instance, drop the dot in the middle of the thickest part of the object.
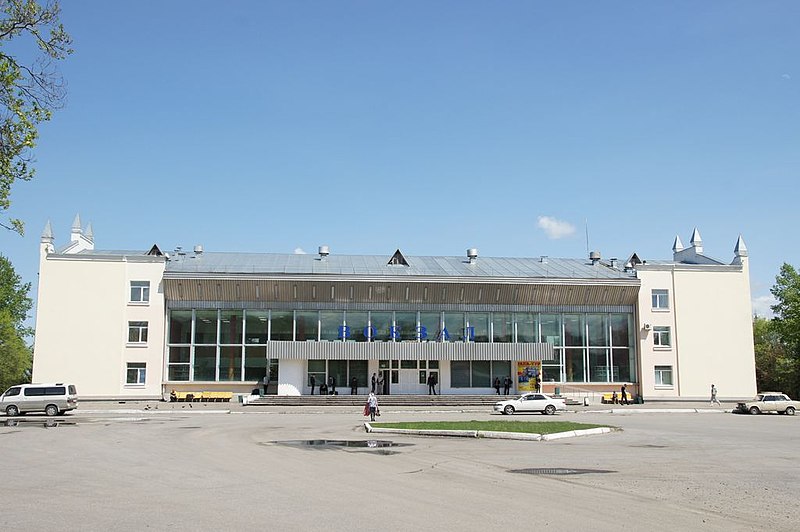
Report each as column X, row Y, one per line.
column 383, row 400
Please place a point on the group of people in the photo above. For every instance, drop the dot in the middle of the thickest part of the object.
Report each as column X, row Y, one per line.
column 507, row 383
column 324, row 389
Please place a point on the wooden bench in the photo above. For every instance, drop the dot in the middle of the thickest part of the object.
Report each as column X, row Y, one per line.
column 194, row 397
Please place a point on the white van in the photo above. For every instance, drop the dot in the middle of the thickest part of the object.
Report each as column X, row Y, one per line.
column 52, row 399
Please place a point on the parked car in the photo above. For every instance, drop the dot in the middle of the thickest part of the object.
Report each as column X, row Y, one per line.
column 52, row 399
column 531, row 402
column 769, row 402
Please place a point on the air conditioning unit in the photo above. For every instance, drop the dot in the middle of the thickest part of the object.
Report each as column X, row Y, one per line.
column 647, row 326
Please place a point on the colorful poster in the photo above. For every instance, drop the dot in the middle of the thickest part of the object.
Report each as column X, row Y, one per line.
column 529, row 375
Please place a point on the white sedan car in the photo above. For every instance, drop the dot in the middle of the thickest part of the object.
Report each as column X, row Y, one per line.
column 531, row 402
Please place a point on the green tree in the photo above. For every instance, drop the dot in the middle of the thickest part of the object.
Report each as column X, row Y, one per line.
column 775, row 367
column 15, row 355
column 786, row 326
column 30, row 88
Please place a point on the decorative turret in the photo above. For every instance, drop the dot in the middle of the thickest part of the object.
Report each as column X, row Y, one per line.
column 677, row 245
column 46, row 243
column 740, row 252
column 696, row 241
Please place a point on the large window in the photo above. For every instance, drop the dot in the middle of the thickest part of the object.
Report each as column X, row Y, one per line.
column 306, row 323
column 282, row 325
column 230, row 327
column 663, row 375
column 205, row 327
column 256, row 326
column 660, row 299
column 381, row 324
column 478, row 323
column 661, row 337
column 140, row 291
column 136, row 373
column 137, row 332
column 477, row 373
column 502, row 327
column 330, row 324
column 405, row 324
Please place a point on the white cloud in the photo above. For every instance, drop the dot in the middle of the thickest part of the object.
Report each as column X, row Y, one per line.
column 786, row 76
column 299, row 251
column 554, row 228
column 761, row 306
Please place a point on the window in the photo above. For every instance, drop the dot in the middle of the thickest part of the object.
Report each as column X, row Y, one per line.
column 661, row 337
column 663, row 375
column 137, row 332
column 140, row 291
column 136, row 373
column 660, row 299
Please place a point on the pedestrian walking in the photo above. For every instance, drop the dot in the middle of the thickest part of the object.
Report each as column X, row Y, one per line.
column 623, row 395
column 497, row 385
column 714, row 400
column 372, row 404
column 374, row 382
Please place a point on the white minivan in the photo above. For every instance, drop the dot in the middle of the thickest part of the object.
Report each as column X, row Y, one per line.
column 52, row 399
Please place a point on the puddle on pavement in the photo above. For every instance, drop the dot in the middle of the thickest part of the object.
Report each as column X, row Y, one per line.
column 47, row 423
column 376, row 446
column 558, row 471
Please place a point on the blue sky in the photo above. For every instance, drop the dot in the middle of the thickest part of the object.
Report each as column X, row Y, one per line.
column 428, row 126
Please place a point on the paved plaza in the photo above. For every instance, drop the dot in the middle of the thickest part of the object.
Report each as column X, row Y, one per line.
column 227, row 467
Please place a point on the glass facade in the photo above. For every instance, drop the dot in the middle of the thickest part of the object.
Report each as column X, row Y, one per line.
column 229, row 345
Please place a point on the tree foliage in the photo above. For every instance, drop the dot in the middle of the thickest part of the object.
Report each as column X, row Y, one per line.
column 15, row 355
column 30, row 88
column 777, row 341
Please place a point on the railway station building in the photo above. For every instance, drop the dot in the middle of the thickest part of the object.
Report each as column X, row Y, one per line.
column 138, row 324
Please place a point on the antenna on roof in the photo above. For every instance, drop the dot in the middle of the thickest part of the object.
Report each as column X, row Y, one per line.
column 586, row 224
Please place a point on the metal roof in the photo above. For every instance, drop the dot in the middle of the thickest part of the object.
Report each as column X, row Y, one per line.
column 214, row 263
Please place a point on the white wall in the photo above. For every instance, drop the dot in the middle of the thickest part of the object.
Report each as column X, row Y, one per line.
column 710, row 317
column 82, row 324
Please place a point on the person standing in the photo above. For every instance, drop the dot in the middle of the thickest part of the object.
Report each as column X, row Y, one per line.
column 332, row 385
column 374, row 382
column 623, row 395
column 506, row 385
column 372, row 403
column 714, row 399
column 313, row 382
column 497, row 385
column 432, row 384
column 265, row 383
column 354, row 386
column 381, row 380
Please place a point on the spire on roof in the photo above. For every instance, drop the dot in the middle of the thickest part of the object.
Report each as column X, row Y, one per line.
column 89, row 233
column 677, row 245
column 76, row 224
column 740, row 250
column 696, row 238
column 47, row 233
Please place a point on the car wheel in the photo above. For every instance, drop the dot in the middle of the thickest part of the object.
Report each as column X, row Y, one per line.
column 508, row 410
column 550, row 410
column 51, row 410
column 754, row 410
column 12, row 411
column 789, row 410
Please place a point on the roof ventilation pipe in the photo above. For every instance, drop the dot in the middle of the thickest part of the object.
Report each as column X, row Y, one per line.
column 614, row 263
column 594, row 256
column 198, row 249
column 543, row 259
column 472, row 255
column 324, row 251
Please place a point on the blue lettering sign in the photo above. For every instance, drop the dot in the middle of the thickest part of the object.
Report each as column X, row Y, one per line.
column 394, row 332
column 422, row 332
column 344, row 331
column 370, row 331
column 470, row 334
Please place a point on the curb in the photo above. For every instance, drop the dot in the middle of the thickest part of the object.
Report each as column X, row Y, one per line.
column 490, row 433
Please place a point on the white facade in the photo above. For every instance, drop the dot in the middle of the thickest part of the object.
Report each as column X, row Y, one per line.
column 84, row 309
column 102, row 320
column 706, row 310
